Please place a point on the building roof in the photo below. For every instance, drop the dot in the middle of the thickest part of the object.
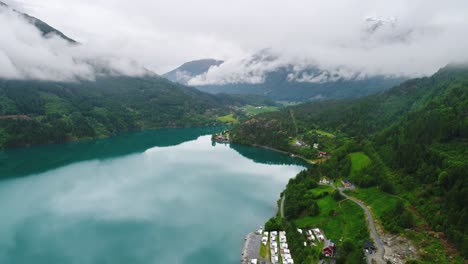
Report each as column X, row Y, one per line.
column 328, row 244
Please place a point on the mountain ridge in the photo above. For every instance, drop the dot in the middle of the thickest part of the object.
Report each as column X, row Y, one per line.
column 286, row 83
column 42, row 26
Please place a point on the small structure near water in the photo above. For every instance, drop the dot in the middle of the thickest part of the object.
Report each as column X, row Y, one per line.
column 222, row 137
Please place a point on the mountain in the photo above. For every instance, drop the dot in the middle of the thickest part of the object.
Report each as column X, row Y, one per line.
column 42, row 112
column 191, row 69
column 415, row 135
column 264, row 74
column 43, row 27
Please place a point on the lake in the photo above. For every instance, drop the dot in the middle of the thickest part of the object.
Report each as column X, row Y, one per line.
column 159, row 196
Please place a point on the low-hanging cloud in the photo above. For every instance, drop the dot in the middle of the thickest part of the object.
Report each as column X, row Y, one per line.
column 355, row 39
column 26, row 54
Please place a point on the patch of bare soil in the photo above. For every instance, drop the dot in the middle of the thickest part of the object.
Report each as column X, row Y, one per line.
column 398, row 249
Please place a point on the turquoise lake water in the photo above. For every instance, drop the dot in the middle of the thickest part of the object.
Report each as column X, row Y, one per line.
column 161, row 196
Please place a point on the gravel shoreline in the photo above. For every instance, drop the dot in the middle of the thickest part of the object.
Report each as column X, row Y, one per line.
column 252, row 249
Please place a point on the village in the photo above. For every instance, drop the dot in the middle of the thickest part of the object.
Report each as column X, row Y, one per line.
column 275, row 244
column 278, row 249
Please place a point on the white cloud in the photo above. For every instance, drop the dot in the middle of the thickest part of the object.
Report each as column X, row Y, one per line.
column 26, row 54
column 416, row 38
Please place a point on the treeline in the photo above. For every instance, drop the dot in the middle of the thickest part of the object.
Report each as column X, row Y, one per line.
column 298, row 201
column 416, row 135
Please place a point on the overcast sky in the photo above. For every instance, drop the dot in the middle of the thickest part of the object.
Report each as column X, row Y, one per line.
column 417, row 37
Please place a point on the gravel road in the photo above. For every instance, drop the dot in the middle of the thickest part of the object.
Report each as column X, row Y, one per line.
column 378, row 256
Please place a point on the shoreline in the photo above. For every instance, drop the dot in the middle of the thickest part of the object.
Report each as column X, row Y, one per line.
column 285, row 152
column 251, row 249
column 120, row 133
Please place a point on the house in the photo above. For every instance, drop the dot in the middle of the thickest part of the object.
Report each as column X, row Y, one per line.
column 328, row 248
column 253, row 261
column 322, row 154
column 324, row 181
column 315, row 145
column 300, row 143
column 347, row 183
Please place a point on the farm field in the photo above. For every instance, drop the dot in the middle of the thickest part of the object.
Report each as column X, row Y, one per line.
column 359, row 161
column 228, row 119
column 255, row 110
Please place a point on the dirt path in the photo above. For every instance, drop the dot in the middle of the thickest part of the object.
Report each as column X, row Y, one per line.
column 378, row 256
column 291, row 113
column 282, row 205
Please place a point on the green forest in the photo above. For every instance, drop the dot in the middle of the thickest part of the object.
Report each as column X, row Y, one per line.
column 410, row 142
column 40, row 112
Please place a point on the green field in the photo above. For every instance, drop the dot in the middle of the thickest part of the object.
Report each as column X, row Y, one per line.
column 339, row 220
column 254, row 110
column 264, row 249
column 228, row 119
column 379, row 201
column 324, row 133
column 359, row 161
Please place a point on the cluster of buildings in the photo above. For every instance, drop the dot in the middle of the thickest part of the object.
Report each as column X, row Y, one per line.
column 316, row 235
column 278, row 247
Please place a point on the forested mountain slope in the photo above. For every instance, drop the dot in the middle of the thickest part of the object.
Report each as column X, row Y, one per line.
column 38, row 112
column 417, row 133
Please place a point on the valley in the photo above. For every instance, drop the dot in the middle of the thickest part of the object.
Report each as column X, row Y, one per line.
column 324, row 132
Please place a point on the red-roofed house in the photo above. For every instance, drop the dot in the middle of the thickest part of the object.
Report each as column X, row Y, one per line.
column 329, row 248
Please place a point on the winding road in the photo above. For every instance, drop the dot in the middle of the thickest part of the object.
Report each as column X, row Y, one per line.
column 378, row 256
